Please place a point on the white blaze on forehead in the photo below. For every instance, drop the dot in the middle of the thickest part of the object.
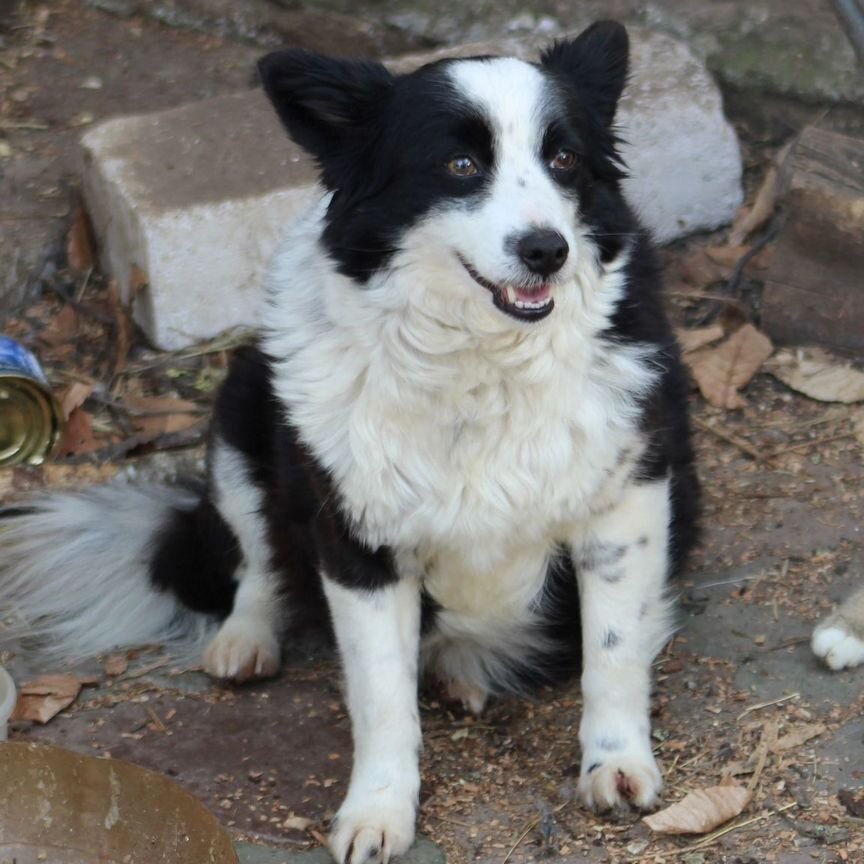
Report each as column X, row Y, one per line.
column 513, row 95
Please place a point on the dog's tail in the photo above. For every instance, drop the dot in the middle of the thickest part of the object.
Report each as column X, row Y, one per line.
column 82, row 573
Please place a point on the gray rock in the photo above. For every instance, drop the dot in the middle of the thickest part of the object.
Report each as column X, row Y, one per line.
column 192, row 201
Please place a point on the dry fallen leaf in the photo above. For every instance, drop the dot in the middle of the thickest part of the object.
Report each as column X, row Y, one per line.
column 798, row 735
column 161, row 415
column 722, row 371
column 123, row 327
column 46, row 696
column 62, row 327
column 818, row 374
column 700, row 811
column 297, row 823
column 730, row 256
column 749, row 218
column 79, row 242
column 78, row 434
column 699, row 337
column 74, row 396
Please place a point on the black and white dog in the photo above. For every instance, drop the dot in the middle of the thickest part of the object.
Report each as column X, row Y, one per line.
column 464, row 425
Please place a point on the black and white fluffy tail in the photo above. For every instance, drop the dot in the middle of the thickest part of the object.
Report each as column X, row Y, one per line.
column 84, row 572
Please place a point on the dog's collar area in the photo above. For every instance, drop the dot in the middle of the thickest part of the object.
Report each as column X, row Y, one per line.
column 528, row 302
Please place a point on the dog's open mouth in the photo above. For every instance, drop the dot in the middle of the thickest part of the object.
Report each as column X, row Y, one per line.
column 527, row 302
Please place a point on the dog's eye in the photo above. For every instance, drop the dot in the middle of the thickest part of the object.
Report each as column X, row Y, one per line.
column 462, row 166
column 563, row 160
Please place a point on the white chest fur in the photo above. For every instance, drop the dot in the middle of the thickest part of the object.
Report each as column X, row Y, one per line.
column 461, row 440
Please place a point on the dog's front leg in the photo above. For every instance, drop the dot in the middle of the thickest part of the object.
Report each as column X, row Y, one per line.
column 378, row 635
column 622, row 566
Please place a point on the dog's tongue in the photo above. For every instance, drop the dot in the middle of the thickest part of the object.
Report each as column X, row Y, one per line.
column 532, row 294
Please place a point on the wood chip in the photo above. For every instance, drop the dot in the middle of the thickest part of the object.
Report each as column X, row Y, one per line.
column 722, row 371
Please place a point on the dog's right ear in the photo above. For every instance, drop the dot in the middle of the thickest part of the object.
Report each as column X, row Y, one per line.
column 324, row 103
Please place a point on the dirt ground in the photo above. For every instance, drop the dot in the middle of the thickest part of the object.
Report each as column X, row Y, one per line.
column 738, row 692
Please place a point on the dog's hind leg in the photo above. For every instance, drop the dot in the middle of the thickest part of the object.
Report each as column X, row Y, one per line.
column 248, row 644
column 622, row 566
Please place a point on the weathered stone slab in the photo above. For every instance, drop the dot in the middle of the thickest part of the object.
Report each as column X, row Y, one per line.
column 815, row 286
column 193, row 200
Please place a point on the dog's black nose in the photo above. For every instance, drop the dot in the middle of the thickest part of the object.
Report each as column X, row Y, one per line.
column 544, row 251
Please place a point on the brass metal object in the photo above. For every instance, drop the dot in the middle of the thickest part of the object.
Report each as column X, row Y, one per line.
column 30, row 418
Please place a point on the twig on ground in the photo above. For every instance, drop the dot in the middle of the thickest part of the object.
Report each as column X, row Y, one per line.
column 743, row 446
column 761, row 705
column 807, row 445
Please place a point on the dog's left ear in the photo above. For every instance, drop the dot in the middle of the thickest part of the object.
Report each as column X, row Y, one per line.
column 324, row 103
column 596, row 64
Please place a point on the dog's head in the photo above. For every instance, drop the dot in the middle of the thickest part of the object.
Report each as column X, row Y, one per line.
column 498, row 176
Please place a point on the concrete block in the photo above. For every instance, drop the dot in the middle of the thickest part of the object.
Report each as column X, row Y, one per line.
column 193, row 200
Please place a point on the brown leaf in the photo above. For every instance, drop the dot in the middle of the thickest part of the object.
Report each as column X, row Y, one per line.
column 78, row 435
column 62, row 328
column 116, row 664
column 153, row 416
column 700, row 811
column 73, row 396
column 748, row 219
column 297, row 823
column 818, row 374
column 79, row 241
column 46, row 696
column 797, row 736
column 722, row 371
column 138, row 281
column 699, row 337
column 122, row 327
column 698, row 270
column 729, row 256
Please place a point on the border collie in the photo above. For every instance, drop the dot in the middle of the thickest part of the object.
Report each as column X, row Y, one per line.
column 463, row 428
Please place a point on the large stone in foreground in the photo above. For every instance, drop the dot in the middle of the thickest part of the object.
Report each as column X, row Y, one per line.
column 192, row 201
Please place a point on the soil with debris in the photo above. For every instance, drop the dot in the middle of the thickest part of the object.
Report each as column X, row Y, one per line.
column 738, row 693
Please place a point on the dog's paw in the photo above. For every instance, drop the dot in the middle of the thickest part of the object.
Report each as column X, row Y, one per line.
column 472, row 697
column 370, row 832
column 835, row 643
column 621, row 782
column 242, row 650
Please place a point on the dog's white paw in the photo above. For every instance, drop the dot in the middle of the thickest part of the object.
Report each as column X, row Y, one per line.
column 372, row 829
column 620, row 781
column 835, row 643
column 472, row 697
column 243, row 649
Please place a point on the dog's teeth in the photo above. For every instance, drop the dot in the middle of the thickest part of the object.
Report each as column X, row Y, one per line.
column 510, row 294
column 532, row 304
